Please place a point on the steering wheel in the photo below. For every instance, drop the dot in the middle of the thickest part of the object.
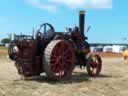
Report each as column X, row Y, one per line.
column 46, row 30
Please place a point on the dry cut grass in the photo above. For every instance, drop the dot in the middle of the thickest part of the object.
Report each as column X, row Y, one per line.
column 113, row 81
column 3, row 51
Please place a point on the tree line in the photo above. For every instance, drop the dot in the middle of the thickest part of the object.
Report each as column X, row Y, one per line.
column 5, row 41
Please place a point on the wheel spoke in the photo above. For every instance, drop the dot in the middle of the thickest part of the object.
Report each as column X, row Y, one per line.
column 61, row 67
column 69, row 61
column 45, row 29
column 60, row 74
column 66, row 50
column 68, row 57
column 53, row 68
column 68, row 54
column 93, row 71
column 55, row 50
column 54, row 64
column 58, row 68
column 61, row 50
column 54, row 56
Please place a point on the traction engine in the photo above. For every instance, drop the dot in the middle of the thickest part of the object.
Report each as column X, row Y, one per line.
column 54, row 53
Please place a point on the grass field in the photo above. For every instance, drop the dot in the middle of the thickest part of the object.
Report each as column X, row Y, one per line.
column 3, row 51
column 113, row 81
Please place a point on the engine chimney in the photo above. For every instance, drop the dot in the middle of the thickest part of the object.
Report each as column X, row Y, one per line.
column 81, row 22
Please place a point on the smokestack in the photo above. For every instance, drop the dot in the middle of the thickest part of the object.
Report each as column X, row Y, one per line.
column 81, row 22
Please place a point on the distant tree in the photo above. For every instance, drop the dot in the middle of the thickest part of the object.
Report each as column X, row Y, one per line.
column 5, row 40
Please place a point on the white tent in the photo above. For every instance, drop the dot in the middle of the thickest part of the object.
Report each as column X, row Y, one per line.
column 118, row 48
column 98, row 49
column 107, row 49
column 92, row 48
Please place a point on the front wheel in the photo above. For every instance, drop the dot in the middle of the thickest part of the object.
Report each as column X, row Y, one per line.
column 94, row 65
column 12, row 51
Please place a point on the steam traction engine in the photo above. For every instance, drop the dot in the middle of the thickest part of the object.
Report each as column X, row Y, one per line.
column 55, row 53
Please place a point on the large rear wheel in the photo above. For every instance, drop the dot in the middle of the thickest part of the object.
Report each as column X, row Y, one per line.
column 59, row 60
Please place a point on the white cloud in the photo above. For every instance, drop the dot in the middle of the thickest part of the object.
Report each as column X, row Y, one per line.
column 101, row 3
column 42, row 5
column 71, row 3
column 85, row 3
column 53, row 5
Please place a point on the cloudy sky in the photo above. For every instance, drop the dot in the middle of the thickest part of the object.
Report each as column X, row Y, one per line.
column 108, row 18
